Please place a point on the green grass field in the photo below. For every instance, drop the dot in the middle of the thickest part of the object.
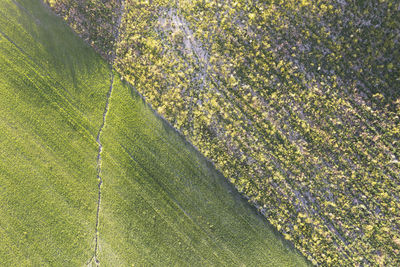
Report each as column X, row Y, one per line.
column 161, row 202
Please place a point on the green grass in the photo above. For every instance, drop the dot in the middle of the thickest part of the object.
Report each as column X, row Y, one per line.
column 162, row 203
column 51, row 99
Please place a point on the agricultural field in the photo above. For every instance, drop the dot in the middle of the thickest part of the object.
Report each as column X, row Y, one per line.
column 52, row 89
column 297, row 103
column 91, row 175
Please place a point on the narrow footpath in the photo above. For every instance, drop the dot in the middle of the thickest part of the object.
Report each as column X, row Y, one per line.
column 95, row 259
column 98, row 160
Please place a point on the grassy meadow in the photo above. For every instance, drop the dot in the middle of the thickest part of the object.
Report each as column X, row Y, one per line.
column 51, row 99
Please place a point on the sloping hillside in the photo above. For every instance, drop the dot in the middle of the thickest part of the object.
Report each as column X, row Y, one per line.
column 90, row 175
column 296, row 103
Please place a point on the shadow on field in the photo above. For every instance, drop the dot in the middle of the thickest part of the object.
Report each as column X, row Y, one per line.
column 46, row 31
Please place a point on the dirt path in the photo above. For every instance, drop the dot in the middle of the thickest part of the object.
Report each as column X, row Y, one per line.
column 95, row 259
column 98, row 161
